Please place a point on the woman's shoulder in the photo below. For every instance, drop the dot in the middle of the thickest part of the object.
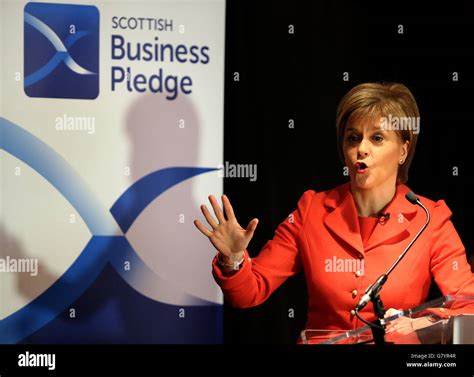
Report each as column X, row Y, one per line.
column 332, row 195
column 438, row 208
column 431, row 203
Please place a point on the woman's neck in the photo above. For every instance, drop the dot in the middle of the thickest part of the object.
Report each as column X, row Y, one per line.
column 370, row 202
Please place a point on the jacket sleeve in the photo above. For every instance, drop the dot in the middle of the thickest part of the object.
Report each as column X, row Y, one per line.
column 279, row 259
column 448, row 263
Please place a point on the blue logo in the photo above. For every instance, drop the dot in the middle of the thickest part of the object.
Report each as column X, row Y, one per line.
column 61, row 51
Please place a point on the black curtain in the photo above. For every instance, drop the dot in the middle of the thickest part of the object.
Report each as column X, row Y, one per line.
column 273, row 76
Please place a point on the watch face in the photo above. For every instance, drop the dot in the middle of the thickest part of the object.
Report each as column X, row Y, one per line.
column 237, row 265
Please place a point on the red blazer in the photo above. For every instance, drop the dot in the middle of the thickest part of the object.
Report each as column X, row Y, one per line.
column 325, row 229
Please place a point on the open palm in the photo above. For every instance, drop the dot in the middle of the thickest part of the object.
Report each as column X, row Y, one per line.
column 227, row 236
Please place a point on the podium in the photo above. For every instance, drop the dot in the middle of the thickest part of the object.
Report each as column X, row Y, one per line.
column 446, row 320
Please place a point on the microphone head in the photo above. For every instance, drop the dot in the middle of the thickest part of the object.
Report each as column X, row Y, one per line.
column 411, row 197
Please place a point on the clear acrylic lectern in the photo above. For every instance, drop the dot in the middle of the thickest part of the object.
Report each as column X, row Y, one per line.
column 446, row 320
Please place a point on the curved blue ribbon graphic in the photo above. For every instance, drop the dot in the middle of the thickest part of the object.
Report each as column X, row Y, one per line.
column 52, row 166
column 104, row 247
column 133, row 201
column 61, row 55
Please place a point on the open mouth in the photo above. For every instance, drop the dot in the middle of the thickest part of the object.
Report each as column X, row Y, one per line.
column 361, row 167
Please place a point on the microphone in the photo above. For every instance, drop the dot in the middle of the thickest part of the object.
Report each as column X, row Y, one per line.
column 374, row 289
column 371, row 291
column 412, row 198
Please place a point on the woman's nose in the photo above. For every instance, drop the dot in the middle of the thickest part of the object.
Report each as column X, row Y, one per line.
column 363, row 150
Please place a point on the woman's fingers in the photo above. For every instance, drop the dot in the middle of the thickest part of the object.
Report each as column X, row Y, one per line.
column 202, row 228
column 251, row 228
column 208, row 217
column 217, row 209
column 229, row 211
column 392, row 311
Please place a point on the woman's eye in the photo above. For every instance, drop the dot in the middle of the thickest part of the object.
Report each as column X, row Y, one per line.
column 352, row 138
column 378, row 138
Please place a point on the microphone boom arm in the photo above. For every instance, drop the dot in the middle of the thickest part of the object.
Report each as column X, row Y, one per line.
column 372, row 293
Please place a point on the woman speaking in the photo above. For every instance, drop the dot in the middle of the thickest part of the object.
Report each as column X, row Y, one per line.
column 345, row 238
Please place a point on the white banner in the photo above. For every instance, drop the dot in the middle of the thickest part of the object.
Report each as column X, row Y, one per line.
column 111, row 124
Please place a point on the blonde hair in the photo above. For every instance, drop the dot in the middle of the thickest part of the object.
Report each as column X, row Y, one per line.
column 373, row 100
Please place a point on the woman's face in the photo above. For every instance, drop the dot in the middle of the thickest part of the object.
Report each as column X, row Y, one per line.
column 372, row 153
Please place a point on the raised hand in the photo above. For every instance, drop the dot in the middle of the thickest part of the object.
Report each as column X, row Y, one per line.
column 227, row 236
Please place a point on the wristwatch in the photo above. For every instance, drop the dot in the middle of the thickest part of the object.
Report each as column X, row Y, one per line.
column 235, row 266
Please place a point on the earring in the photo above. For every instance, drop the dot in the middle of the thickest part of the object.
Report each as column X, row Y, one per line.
column 401, row 162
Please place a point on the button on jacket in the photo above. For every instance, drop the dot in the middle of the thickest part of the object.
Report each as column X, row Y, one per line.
column 322, row 239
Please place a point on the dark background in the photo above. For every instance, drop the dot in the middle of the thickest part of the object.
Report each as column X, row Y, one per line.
column 299, row 76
